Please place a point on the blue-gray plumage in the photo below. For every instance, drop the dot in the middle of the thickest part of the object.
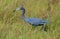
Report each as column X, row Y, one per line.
column 35, row 21
column 32, row 21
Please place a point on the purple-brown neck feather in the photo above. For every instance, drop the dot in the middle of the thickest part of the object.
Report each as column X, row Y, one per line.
column 23, row 12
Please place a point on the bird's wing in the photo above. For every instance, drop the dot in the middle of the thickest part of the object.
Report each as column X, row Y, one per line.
column 35, row 21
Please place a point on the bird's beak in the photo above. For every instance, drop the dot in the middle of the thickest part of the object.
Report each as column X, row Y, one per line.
column 16, row 9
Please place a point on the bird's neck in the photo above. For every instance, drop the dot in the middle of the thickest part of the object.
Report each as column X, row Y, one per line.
column 23, row 12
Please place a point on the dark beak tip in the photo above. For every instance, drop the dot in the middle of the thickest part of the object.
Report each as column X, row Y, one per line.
column 14, row 10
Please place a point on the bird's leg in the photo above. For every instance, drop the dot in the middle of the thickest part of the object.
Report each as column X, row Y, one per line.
column 44, row 27
column 33, row 27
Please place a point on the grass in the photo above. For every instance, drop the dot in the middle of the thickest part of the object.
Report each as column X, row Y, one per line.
column 12, row 26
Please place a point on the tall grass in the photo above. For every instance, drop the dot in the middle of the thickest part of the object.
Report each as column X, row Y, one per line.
column 12, row 26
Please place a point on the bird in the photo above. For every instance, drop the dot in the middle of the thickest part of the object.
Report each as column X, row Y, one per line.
column 31, row 21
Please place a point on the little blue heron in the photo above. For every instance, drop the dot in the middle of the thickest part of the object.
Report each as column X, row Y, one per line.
column 32, row 21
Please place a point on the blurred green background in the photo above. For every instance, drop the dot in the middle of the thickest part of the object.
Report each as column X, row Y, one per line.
column 12, row 26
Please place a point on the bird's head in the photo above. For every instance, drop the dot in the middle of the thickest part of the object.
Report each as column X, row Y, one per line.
column 19, row 8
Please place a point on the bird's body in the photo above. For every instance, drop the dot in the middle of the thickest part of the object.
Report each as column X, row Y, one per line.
column 35, row 21
column 32, row 21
